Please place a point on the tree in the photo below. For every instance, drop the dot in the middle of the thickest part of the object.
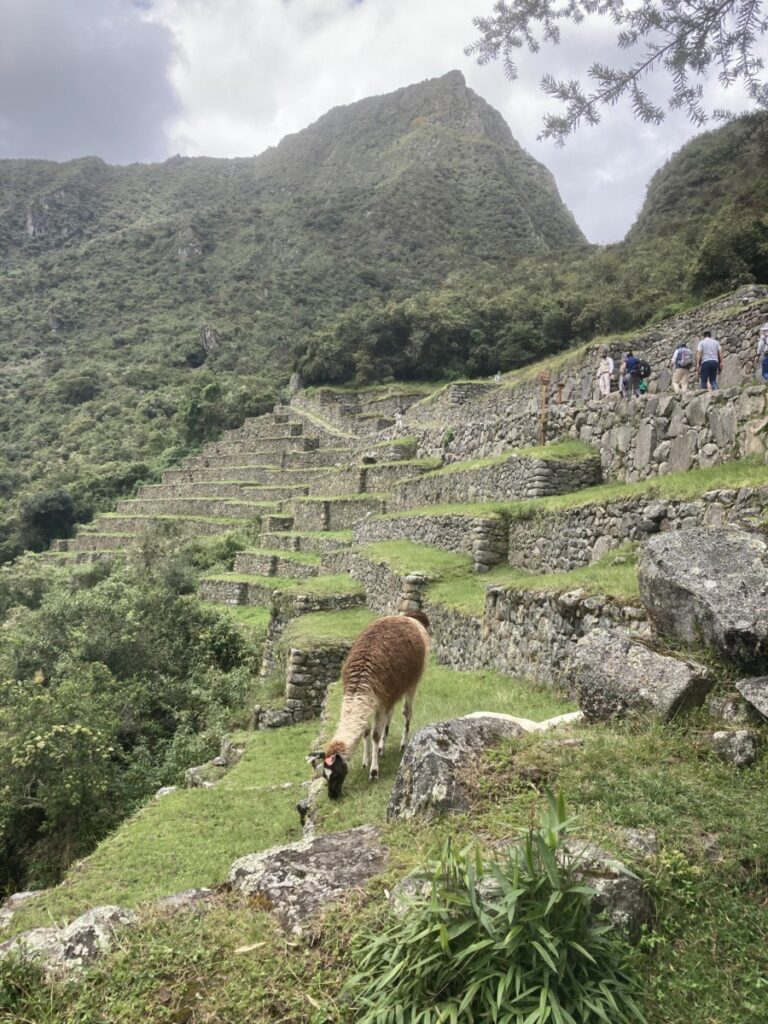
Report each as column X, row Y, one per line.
column 689, row 39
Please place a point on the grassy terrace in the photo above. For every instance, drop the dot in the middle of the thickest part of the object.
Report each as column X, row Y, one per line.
column 318, row 585
column 319, row 629
column 291, row 556
column 614, row 575
column 750, row 472
column 343, row 536
column 363, row 496
column 227, row 520
column 569, row 450
column 403, row 557
column 190, row 837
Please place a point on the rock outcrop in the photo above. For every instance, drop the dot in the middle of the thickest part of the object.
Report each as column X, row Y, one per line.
column 710, row 585
column 613, row 676
column 299, row 879
column 438, row 761
column 60, row 950
column 755, row 692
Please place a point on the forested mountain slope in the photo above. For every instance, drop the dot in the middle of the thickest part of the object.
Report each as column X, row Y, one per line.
column 143, row 308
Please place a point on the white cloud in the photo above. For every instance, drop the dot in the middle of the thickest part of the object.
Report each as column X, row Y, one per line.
column 88, row 76
column 250, row 73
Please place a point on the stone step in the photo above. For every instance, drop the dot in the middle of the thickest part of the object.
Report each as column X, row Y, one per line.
column 273, row 492
column 183, row 526
column 258, row 474
column 196, row 507
column 80, row 557
column 334, row 513
column 321, row 457
column 319, row 543
column 277, row 523
column 253, row 429
column 97, row 542
column 260, row 445
column 276, row 563
column 198, row 489
column 273, row 459
column 376, row 479
column 292, row 597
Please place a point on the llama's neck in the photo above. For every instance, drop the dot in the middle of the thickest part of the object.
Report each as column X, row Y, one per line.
column 356, row 710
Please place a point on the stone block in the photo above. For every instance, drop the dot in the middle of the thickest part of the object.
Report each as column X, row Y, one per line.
column 613, row 676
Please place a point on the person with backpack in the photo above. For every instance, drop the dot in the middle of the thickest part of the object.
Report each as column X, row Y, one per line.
column 762, row 351
column 709, row 361
column 682, row 361
column 630, row 374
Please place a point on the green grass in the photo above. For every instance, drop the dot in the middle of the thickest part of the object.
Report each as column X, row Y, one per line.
column 321, row 628
column 397, row 442
column 190, row 837
column 224, row 520
column 567, row 450
column 403, row 557
column 319, row 585
column 614, row 575
column 706, row 961
column 340, row 535
column 308, row 558
column 442, row 694
column 252, row 617
column 365, row 496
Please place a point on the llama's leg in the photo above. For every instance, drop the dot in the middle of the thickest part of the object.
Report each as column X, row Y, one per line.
column 407, row 710
column 383, row 740
column 367, row 747
column 379, row 722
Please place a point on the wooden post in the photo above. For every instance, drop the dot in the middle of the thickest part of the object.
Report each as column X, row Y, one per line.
column 544, row 379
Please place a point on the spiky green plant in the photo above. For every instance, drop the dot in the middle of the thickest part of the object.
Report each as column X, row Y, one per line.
column 507, row 939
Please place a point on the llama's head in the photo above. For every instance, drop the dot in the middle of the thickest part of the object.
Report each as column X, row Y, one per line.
column 420, row 617
column 335, row 770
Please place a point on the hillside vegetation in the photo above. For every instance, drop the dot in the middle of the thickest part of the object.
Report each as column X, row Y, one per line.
column 143, row 309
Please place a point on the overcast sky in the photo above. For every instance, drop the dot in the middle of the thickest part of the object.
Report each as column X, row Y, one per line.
column 140, row 80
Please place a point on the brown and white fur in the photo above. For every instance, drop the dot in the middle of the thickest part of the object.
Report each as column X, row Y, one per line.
column 384, row 665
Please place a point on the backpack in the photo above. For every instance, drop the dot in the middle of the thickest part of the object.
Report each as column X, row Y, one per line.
column 632, row 364
column 643, row 369
column 684, row 358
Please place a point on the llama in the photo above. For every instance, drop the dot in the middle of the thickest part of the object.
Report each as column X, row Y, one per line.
column 384, row 664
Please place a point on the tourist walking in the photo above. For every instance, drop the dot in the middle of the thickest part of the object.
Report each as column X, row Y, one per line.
column 682, row 361
column 709, row 361
column 605, row 373
column 630, row 374
column 762, row 352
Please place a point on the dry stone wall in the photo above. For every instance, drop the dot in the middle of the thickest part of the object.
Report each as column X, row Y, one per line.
column 564, row 540
column 516, row 478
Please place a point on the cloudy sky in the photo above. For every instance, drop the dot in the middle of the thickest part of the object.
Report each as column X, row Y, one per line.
column 140, row 80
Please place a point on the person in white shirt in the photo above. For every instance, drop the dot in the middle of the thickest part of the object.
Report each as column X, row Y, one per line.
column 605, row 373
column 709, row 361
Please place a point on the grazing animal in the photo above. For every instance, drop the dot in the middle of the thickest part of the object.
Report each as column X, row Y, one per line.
column 384, row 664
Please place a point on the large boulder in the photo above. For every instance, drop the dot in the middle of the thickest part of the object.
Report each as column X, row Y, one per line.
column 755, row 692
column 612, row 676
column 300, row 878
column 437, row 761
column 710, row 584
column 60, row 950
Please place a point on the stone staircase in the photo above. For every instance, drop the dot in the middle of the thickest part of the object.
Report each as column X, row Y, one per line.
column 334, row 470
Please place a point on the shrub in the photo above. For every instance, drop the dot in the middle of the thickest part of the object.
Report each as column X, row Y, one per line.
column 510, row 940
column 44, row 516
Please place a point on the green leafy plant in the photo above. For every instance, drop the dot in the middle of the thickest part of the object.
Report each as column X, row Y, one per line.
column 509, row 939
